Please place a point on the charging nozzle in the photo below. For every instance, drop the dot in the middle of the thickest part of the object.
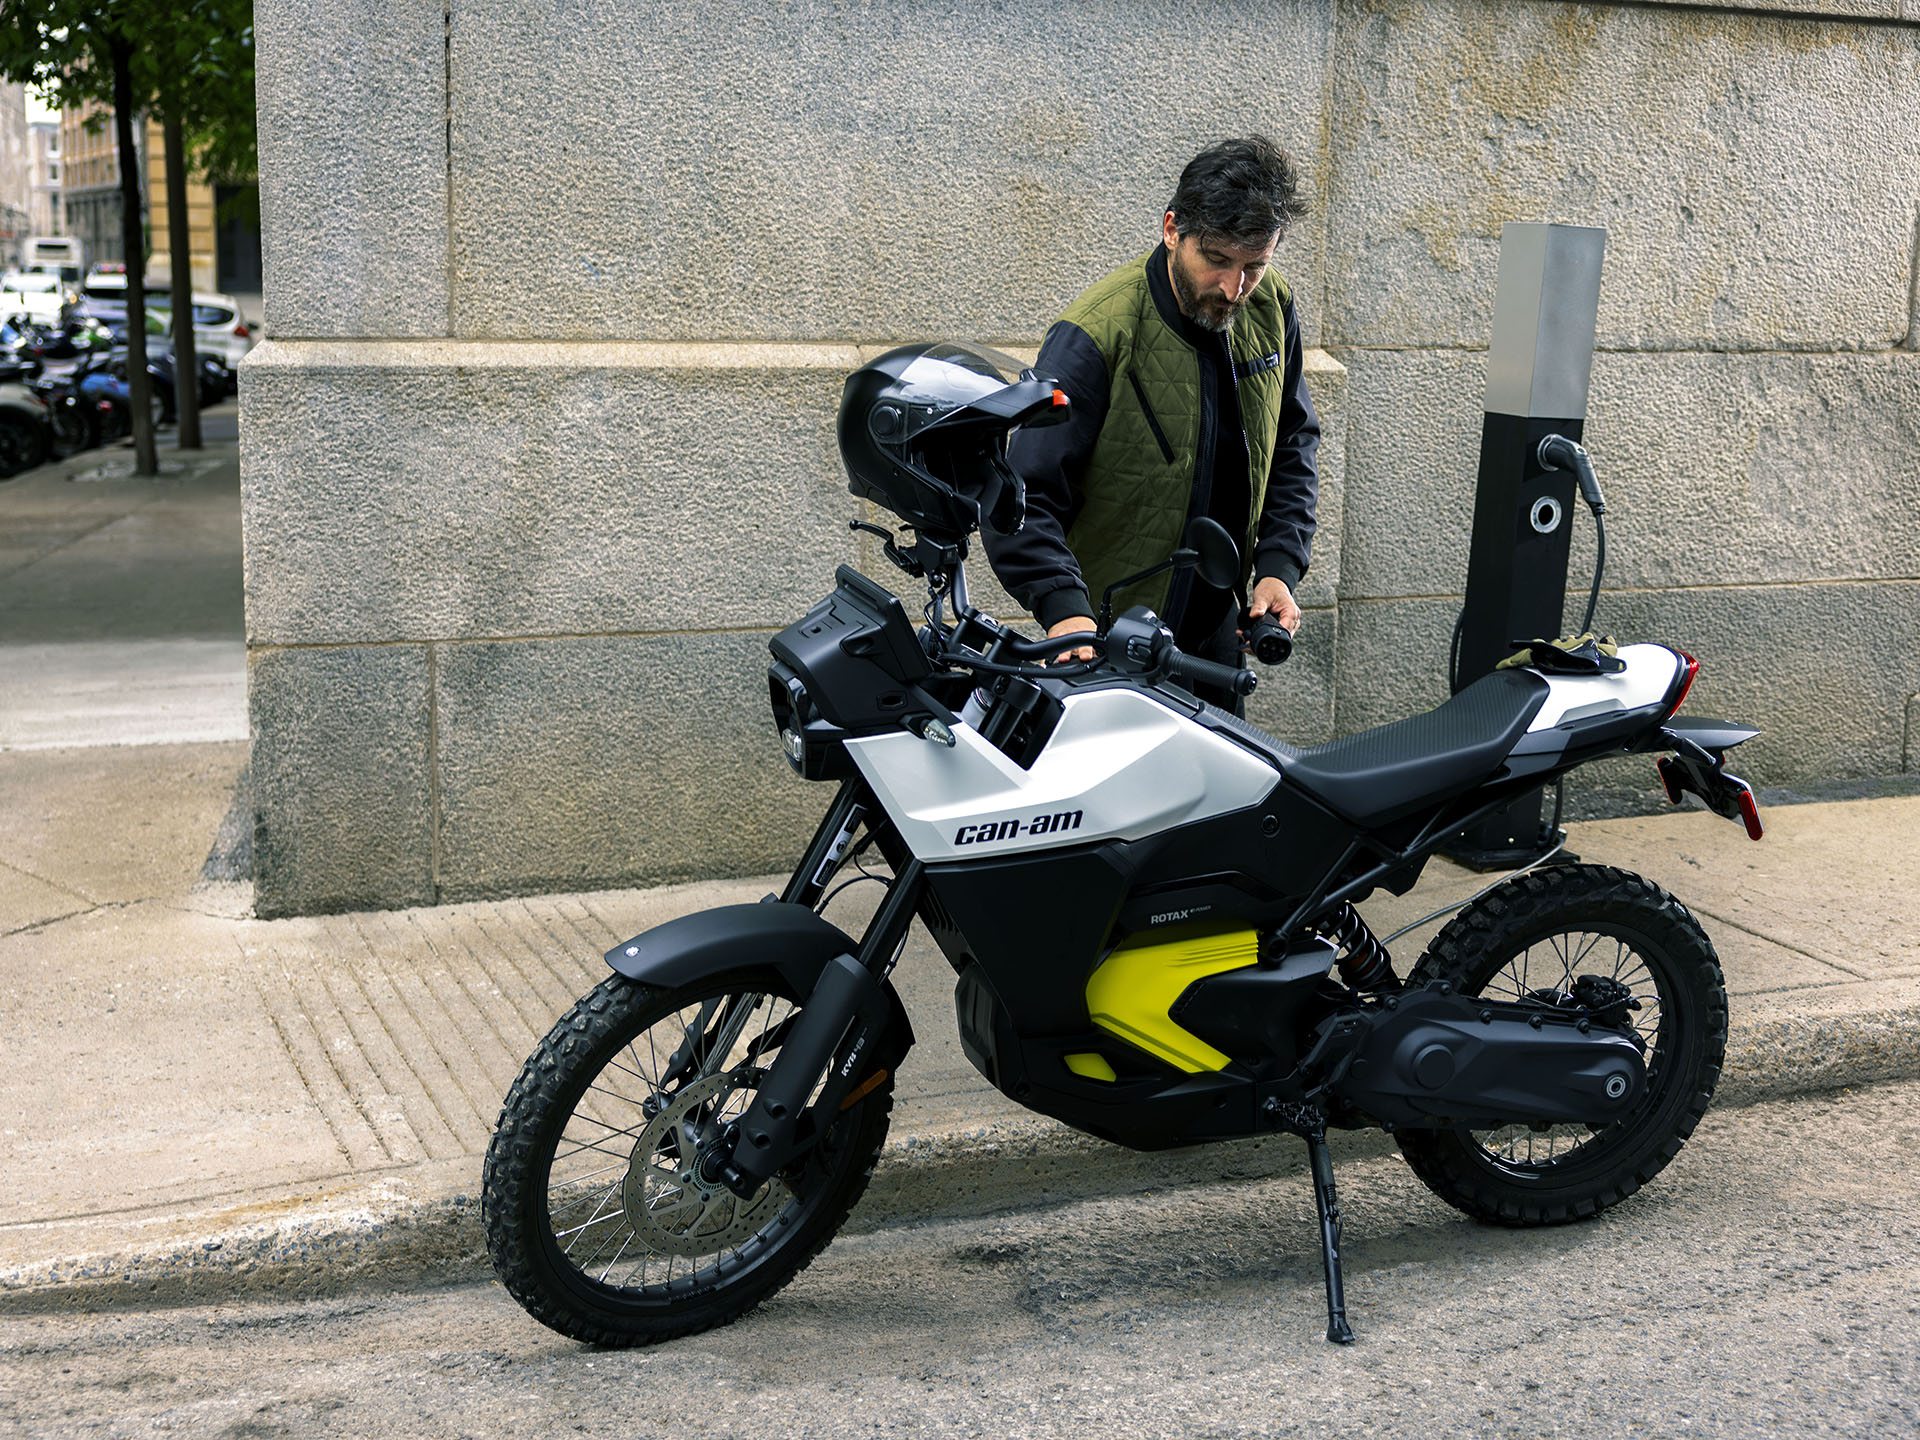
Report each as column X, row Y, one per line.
column 1557, row 452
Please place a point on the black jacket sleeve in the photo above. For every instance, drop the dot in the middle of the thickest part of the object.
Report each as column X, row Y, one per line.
column 1034, row 562
column 1293, row 482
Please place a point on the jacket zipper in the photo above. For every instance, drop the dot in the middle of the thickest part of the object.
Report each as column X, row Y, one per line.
column 1153, row 422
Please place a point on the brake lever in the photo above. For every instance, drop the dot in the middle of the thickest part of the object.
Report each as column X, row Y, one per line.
column 888, row 543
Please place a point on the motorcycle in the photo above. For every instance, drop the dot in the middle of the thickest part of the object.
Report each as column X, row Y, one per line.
column 1148, row 904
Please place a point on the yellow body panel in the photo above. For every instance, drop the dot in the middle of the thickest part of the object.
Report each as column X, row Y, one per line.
column 1094, row 1067
column 1134, row 988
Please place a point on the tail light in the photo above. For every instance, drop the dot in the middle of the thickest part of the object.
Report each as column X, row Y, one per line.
column 240, row 330
column 1693, row 669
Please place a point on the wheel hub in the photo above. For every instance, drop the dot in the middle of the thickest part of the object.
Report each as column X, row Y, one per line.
column 671, row 1200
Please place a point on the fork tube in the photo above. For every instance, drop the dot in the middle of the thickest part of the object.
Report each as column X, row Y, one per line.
column 829, row 844
column 882, row 940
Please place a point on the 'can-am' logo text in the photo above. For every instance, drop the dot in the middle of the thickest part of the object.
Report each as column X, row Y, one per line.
column 1054, row 824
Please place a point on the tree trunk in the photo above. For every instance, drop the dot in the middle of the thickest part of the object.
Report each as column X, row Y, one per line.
column 145, row 460
column 186, row 364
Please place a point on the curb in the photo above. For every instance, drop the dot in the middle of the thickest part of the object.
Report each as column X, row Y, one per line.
column 383, row 1236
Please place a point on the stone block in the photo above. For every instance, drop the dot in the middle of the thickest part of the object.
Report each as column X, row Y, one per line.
column 591, row 763
column 1827, row 9
column 353, row 166
column 1331, row 388
column 455, row 490
column 1825, row 671
column 1294, row 701
column 820, row 169
column 1756, row 174
column 1717, row 469
column 341, row 789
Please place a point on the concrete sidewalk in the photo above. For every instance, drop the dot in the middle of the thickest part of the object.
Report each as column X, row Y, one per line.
column 195, row 1100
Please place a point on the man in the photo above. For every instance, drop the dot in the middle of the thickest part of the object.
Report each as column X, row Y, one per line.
column 1184, row 374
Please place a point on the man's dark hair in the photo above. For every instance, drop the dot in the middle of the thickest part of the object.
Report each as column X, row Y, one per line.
column 1241, row 191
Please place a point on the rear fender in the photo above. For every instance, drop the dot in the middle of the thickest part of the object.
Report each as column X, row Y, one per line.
column 1698, row 766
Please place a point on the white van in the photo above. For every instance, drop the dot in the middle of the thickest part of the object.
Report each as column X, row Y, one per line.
column 62, row 255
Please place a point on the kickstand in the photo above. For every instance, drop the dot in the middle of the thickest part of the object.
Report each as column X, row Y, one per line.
column 1328, row 1204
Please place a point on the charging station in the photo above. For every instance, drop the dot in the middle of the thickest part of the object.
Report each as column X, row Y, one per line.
column 1539, row 363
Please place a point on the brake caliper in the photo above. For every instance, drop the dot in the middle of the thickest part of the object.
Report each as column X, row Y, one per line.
column 1606, row 1001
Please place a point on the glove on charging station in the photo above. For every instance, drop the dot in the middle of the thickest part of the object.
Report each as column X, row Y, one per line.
column 1538, row 368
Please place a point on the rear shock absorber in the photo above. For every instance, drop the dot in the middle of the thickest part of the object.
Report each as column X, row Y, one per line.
column 1363, row 960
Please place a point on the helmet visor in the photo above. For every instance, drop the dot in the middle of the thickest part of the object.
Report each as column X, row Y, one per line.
column 945, row 378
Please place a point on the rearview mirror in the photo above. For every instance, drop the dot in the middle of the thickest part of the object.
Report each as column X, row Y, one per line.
column 1219, row 557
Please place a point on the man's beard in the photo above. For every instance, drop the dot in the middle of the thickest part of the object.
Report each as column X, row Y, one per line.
column 1212, row 312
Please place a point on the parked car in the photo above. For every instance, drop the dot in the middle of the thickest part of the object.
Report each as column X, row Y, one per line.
column 26, row 431
column 42, row 297
column 218, row 326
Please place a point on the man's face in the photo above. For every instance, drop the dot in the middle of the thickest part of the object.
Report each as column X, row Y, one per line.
column 1212, row 278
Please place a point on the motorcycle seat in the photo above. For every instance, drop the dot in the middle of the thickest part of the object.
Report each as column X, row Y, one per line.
column 1381, row 775
column 1384, row 774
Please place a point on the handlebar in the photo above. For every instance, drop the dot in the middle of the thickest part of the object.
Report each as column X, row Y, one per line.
column 1231, row 678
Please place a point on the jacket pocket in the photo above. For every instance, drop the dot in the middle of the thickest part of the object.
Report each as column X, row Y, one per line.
column 1153, row 421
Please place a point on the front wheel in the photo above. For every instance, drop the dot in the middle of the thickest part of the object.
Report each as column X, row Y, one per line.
column 1529, row 941
column 600, row 1216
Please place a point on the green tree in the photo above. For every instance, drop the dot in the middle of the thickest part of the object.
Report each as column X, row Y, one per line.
column 190, row 62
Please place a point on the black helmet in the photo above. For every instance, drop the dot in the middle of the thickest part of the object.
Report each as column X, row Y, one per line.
column 923, row 432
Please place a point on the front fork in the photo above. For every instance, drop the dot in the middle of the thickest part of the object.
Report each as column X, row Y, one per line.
column 839, row 1022
column 832, row 838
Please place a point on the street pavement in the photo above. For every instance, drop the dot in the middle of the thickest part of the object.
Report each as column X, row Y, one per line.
column 197, row 1102
column 1767, row 1284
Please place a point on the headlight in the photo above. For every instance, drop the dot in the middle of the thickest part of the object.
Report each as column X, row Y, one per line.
column 795, row 746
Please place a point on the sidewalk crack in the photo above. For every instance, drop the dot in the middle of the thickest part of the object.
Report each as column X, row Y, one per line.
column 1799, row 950
column 46, row 880
column 70, row 915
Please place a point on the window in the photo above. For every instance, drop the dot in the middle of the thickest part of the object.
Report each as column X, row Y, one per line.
column 53, row 172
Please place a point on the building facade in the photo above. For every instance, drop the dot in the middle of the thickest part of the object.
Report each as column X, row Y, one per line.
column 205, row 263
column 45, row 215
column 16, row 174
column 90, row 182
column 542, row 450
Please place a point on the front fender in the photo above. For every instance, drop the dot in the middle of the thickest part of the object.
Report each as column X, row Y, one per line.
column 788, row 939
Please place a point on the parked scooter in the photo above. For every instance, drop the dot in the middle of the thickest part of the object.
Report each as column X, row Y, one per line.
column 1149, row 907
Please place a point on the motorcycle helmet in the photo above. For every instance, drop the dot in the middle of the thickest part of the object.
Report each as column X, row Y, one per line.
column 923, row 433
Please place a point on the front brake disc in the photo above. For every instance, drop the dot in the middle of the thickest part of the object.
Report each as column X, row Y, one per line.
column 672, row 1207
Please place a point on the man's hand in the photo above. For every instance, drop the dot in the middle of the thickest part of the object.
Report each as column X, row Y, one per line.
column 1272, row 596
column 1069, row 626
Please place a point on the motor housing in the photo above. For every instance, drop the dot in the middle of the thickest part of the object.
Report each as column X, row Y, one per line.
column 1430, row 1057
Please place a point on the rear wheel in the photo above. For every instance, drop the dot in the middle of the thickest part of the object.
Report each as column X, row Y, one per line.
column 74, row 426
column 600, row 1218
column 1529, row 941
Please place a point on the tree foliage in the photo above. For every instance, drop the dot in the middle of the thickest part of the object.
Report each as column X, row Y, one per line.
column 188, row 63
column 190, row 58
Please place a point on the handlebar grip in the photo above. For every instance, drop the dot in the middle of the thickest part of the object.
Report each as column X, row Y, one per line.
column 1270, row 641
column 1230, row 678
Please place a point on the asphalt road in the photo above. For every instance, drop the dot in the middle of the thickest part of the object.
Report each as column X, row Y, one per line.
column 1765, row 1285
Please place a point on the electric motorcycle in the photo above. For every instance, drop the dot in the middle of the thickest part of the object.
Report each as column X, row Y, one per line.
column 1148, row 904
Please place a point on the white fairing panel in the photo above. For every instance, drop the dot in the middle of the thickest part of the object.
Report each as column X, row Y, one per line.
column 1649, row 675
column 1118, row 766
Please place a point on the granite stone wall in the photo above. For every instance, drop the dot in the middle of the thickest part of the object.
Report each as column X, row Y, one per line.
column 540, row 451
